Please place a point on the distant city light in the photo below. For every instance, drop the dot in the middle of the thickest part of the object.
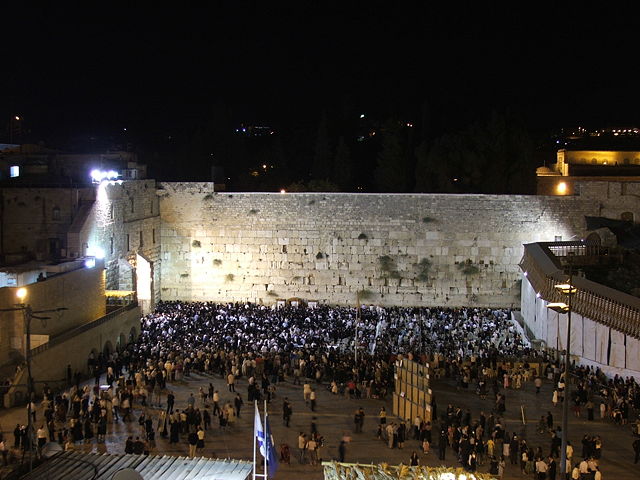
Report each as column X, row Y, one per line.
column 362, row 115
column 283, row 191
column 17, row 117
column 409, row 125
column 14, row 171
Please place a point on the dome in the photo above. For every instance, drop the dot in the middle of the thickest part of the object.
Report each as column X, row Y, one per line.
column 545, row 171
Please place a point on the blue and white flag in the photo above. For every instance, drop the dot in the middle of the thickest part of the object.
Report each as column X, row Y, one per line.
column 265, row 443
column 271, row 451
column 259, row 431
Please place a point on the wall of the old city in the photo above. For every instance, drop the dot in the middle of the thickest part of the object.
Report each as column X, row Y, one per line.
column 31, row 218
column 125, row 220
column 80, row 292
column 402, row 249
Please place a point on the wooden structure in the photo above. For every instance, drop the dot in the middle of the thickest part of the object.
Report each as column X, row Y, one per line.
column 412, row 395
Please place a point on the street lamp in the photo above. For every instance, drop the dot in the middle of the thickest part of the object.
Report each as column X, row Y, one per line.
column 569, row 290
column 355, row 341
column 28, row 314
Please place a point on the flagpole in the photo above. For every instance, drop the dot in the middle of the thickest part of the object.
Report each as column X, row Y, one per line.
column 255, row 403
column 266, row 441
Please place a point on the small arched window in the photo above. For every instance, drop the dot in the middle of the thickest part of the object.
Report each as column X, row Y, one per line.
column 55, row 213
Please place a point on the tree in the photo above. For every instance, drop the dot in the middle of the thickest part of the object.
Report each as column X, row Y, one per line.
column 321, row 168
column 391, row 172
column 493, row 157
column 342, row 166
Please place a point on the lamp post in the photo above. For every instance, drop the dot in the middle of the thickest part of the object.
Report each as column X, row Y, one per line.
column 566, row 289
column 355, row 340
column 28, row 315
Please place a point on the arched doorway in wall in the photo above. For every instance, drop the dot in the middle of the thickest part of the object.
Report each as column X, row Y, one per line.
column 144, row 283
column 133, row 334
column 121, row 343
column 593, row 239
column 107, row 349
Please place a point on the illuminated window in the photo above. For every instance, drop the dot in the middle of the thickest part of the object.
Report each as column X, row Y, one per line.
column 14, row 171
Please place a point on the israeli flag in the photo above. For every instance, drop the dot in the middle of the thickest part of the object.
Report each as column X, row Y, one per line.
column 257, row 427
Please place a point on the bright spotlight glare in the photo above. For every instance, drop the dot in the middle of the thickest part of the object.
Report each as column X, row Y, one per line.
column 97, row 176
column 96, row 252
column 90, row 262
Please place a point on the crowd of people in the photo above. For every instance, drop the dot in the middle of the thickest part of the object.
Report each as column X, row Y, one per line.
column 312, row 347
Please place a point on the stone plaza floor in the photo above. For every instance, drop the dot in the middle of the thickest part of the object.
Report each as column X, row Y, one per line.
column 334, row 417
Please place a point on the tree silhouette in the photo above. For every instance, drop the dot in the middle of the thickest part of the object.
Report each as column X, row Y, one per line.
column 342, row 166
column 321, row 167
column 391, row 172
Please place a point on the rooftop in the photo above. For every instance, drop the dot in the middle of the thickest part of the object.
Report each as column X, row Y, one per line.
column 83, row 466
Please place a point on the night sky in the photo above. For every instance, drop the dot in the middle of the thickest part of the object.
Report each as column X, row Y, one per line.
column 159, row 73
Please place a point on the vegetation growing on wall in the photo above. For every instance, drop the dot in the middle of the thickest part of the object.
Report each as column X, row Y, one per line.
column 229, row 277
column 196, row 244
column 365, row 294
column 468, row 268
column 423, row 268
column 388, row 267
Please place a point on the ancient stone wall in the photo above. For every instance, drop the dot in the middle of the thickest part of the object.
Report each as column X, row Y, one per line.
column 125, row 221
column 395, row 249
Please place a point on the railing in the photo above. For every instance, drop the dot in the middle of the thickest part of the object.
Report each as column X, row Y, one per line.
column 82, row 328
column 598, row 302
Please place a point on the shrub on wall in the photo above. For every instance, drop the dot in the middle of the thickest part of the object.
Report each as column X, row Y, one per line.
column 365, row 294
column 196, row 244
column 468, row 268
column 230, row 277
column 423, row 268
